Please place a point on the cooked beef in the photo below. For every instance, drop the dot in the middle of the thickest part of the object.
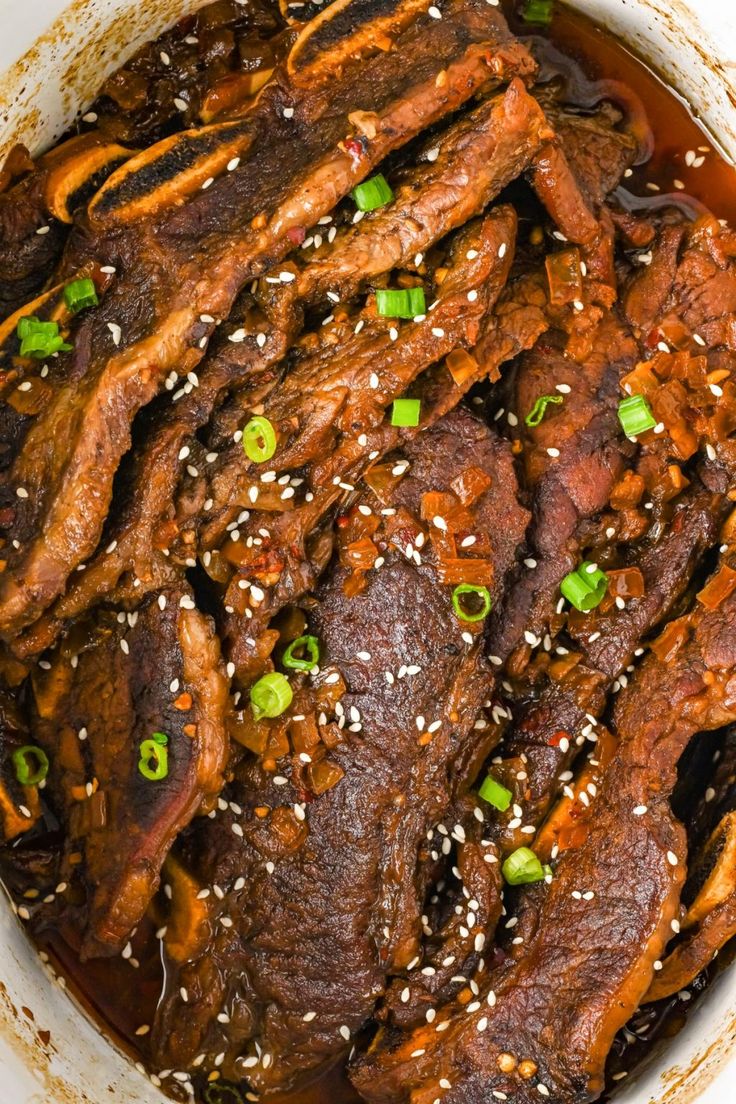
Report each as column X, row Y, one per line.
column 25, row 255
column 551, row 727
column 338, row 403
column 598, row 152
column 548, row 1015
column 340, row 865
column 573, row 481
column 711, row 918
column 191, row 255
column 474, row 159
column 157, row 671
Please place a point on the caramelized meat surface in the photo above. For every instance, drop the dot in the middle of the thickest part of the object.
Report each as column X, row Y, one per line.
column 342, row 864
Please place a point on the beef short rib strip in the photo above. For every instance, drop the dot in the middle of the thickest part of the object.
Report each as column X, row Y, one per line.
column 475, row 158
column 355, row 388
column 554, row 721
column 155, row 308
column 155, row 671
column 598, row 929
column 574, row 480
column 347, row 878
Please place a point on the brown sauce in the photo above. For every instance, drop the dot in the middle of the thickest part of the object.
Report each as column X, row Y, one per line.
column 122, row 993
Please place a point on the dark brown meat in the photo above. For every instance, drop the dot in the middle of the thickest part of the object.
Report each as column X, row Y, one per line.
column 588, row 455
column 551, row 727
column 475, row 158
column 339, row 403
column 343, row 874
column 155, row 671
column 25, row 255
column 191, row 255
column 593, row 936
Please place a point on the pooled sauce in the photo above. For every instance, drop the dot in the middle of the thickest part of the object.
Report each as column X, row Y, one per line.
column 122, row 993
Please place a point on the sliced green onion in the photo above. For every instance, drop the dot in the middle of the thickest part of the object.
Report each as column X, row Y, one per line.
column 537, row 412
column 480, row 594
column 39, row 339
column 220, row 1093
column 31, row 764
column 80, row 294
column 406, row 412
column 308, row 646
column 259, row 440
column 585, row 588
column 271, row 695
column 522, row 867
column 495, row 794
column 154, row 758
column 537, row 11
column 372, row 193
column 160, row 738
column 404, row 303
column 635, row 415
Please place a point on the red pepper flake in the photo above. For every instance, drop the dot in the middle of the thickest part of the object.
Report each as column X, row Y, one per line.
column 556, row 739
column 296, row 234
column 356, row 147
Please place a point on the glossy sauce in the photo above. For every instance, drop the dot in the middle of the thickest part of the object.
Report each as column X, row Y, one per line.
column 122, row 996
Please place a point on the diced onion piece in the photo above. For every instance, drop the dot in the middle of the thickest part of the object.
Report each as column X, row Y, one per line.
column 718, row 588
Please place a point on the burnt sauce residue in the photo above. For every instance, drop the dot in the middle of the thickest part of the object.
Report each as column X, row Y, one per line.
column 170, row 85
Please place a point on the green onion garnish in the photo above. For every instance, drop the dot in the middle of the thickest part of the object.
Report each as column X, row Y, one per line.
column 537, row 11
column 39, row 339
column 405, row 412
column 308, row 647
column 80, row 294
column 585, row 588
column 259, row 440
column 479, row 593
column 495, row 794
column 522, row 867
column 372, row 193
column 31, row 764
column 154, row 757
column 537, row 412
column 270, row 696
column 406, row 303
column 221, row 1093
column 635, row 415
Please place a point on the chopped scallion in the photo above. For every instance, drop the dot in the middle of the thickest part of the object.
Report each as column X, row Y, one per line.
column 302, row 654
column 372, row 193
column 153, row 763
column 259, row 440
column 39, row 339
column 495, row 794
column 522, row 867
column 537, row 11
column 635, row 415
column 271, row 695
column 585, row 588
column 479, row 606
column 400, row 303
column 406, row 412
column 537, row 412
column 31, row 764
column 80, row 294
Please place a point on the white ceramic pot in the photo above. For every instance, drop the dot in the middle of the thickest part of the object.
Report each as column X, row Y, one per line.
column 54, row 54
